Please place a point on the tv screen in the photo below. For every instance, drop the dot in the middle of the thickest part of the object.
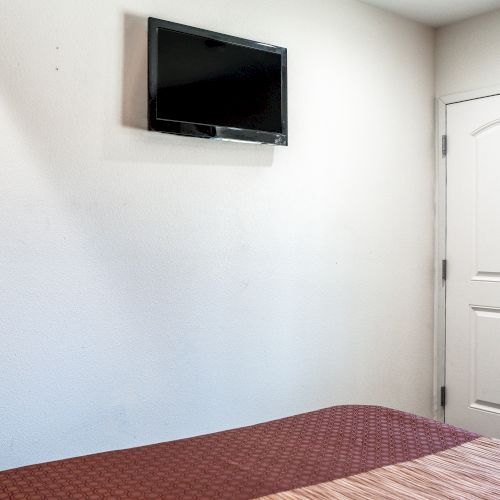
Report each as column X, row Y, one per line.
column 210, row 85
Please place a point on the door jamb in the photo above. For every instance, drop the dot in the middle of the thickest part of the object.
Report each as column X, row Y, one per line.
column 440, row 239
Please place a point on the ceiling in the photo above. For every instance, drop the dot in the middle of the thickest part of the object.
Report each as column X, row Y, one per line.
column 437, row 12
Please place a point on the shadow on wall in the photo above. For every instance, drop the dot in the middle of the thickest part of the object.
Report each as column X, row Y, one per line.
column 135, row 67
column 166, row 148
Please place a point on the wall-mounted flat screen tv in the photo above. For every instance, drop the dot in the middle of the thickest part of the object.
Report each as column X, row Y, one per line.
column 216, row 86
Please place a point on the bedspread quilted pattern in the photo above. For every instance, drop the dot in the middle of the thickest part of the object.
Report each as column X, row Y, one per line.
column 243, row 463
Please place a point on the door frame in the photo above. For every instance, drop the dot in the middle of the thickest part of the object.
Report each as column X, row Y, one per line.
column 440, row 238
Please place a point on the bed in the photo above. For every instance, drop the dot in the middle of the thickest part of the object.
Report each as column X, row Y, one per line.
column 347, row 452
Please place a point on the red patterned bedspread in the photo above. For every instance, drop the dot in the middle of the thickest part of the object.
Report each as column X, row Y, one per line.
column 243, row 463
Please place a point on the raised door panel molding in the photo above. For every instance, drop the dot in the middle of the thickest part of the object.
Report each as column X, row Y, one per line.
column 485, row 366
column 487, row 203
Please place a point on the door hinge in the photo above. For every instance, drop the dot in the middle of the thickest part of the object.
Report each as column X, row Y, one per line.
column 444, row 270
column 444, row 145
column 443, row 396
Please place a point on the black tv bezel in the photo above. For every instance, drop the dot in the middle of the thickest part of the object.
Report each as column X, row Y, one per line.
column 202, row 130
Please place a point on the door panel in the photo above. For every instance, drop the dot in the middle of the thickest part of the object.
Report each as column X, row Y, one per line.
column 487, row 202
column 473, row 253
column 485, row 368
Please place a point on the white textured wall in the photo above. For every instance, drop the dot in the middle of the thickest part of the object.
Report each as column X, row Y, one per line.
column 468, row 55
column 156, row 287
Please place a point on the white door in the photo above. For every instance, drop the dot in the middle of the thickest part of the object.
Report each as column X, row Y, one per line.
column 473, row 253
